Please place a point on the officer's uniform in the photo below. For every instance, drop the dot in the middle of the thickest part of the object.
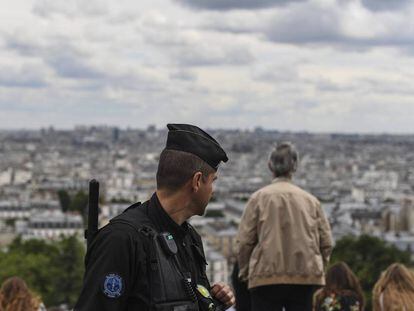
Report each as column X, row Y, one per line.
column 143, row 260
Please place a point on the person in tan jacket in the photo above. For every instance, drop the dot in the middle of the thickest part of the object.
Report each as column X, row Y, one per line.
column 284, row 240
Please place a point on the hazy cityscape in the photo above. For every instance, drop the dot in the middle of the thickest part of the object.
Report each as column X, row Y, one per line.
column 364, row 182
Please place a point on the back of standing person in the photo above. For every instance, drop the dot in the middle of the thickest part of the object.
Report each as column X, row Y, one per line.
column 341, row 292
column 394, row 291
column 284, row 240
column 16, row 296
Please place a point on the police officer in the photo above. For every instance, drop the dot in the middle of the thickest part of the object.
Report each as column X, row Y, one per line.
column 150, row 257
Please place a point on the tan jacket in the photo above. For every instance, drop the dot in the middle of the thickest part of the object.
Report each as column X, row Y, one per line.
column 284, row 237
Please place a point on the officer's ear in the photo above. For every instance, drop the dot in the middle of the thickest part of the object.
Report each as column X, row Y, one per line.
column 196, row 181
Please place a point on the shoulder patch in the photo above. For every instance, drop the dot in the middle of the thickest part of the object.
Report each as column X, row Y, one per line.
column 113, row 286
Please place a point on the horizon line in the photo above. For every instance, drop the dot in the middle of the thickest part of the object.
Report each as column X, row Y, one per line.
column 245, row 129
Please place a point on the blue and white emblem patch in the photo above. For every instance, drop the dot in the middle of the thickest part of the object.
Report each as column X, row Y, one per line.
column 113, row 286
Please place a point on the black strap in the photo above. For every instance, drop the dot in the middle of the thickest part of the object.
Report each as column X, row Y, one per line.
column 125, row 222
column 149, row 234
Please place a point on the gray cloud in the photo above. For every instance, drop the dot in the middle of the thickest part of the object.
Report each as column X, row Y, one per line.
column 327, row 85
column 240, row 22
column 312, row 23
column 70, row 9
column 384, row 5
column 205, row 56
column 65, row 59
column 189, row 47
column 376, row 86
column 363, row 87
column 184, row 75
column 81, row 65
column 276, row 74
column 69, row 65
column 167, row 37
column 234, row 4
column 305, row 104
column 305, row 24
column 302, row 23
column 28, row 76
column 22, row 46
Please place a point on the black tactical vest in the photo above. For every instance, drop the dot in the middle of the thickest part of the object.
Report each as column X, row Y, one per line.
column 170, row 287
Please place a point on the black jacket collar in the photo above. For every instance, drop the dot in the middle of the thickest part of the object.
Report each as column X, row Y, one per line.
column 160, row 218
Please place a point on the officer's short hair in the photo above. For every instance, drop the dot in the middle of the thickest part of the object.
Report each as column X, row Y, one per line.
column 175, row 168
column 283, row 160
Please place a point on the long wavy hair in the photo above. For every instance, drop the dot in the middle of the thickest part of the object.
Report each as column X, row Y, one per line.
column 16, row 296
column 394, row 290
column 340, row 280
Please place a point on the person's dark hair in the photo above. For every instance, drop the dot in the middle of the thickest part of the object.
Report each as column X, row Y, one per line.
column 176, row 168
column 340, row 280
column 283, row 160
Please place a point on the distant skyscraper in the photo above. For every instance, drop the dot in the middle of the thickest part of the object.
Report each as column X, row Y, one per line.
column 115, row 134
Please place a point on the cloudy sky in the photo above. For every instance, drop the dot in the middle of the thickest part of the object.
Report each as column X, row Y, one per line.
column 315, row 65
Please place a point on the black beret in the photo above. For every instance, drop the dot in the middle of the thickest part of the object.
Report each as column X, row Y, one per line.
column 192, row 139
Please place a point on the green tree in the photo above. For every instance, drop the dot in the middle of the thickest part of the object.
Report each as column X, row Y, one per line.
column 64, row 199
column 69, row 259
column 32, row 247
column 79, row 202
column 51, row 269
column 10, row 222
column 368, row 256
column 32, row 261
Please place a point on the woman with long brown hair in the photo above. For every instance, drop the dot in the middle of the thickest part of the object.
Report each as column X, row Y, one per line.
column 16, row 296
column 394, row 291
column 341, row 292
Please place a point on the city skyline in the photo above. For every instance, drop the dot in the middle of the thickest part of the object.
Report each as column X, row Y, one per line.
column 161, row 127
column 320, row 66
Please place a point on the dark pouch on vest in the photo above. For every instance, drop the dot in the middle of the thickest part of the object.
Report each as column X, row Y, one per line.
column 169, row 292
